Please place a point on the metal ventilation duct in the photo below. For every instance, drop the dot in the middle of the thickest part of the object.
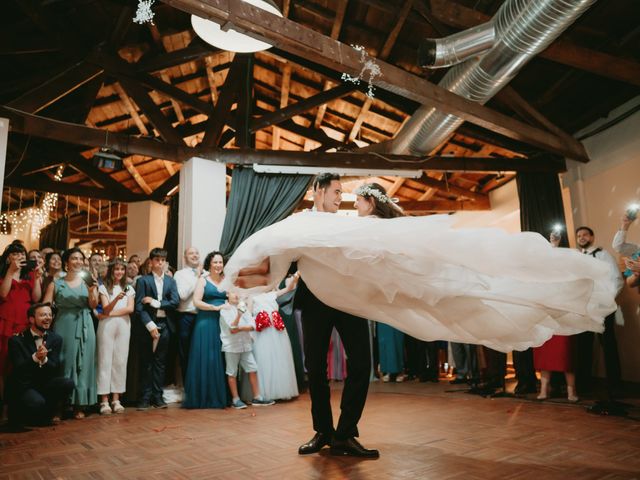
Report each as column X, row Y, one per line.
column 523, row 28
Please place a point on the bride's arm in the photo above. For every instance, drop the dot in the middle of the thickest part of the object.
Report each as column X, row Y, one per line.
column 254, row 276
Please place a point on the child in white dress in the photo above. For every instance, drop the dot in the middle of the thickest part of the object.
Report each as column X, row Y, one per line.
column 272, row 347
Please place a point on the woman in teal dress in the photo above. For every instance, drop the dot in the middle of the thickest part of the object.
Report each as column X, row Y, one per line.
column 205, row 385
column 74, row 299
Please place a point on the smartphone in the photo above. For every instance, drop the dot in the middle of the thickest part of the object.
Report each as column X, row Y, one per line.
column 88, row 279
column 29, row 265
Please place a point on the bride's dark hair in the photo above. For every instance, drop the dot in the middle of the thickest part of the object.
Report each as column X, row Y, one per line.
column 383, row 206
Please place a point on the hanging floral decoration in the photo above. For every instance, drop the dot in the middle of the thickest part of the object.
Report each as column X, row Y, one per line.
column 368, row 65
column 144, row 14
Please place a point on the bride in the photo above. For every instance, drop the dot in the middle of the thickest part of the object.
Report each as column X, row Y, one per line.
column 434, row 282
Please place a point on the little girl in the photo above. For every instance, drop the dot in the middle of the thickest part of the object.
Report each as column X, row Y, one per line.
column 272, row 348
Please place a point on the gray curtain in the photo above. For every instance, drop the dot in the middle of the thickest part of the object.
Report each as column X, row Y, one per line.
column 171, row 237
column 541, row 203
column 55, row 235
column 258, row 200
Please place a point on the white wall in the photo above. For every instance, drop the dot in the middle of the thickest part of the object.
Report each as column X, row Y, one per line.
column 504, row 213
column 146, row 227
column 600, row 191
column 203, row 206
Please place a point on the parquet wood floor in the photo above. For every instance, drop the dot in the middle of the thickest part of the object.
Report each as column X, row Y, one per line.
column 423, row 431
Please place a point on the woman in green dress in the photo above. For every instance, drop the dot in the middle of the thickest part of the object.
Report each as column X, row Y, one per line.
column 75, row 296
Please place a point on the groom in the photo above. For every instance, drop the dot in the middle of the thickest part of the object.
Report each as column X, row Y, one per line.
column 318, row 321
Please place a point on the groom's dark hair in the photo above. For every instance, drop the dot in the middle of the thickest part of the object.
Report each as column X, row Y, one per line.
column 324, row 180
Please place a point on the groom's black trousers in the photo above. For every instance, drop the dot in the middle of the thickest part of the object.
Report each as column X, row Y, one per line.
column 318, row 321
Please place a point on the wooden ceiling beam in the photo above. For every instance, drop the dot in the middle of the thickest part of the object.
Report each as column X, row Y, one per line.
column 21, row 122
column 560, row 51
column 133, row 171
column 423, row 207
column 196, row 50
column 393, row 189
column 300, row 107
column 163, row 190
column 385, row 51
column 174, row 103
column 331, row 53
column 245, row 137
column 510, row 97
column 57, row 87
column 42, row 183
column 284, row 101
column 131, row 109
column 335, row 34
column 122, row 70
column 448, row 188
column 228, row 93
column 152, row 111
column 84, row 236
column 211, row 79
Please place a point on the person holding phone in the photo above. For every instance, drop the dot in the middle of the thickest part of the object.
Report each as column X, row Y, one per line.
column 75, row 296
column 19, row 287
column 114, row 329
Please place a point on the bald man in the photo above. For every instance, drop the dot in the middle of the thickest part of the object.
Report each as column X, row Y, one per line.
column 186, row 279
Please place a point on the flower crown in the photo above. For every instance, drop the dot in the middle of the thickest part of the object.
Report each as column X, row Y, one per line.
column 367, row 191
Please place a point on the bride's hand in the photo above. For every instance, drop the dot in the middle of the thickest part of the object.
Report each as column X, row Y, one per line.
column 318, row 199
column 257, row 276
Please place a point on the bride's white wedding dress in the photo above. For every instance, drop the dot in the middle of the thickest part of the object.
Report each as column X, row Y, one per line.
column 434, row 282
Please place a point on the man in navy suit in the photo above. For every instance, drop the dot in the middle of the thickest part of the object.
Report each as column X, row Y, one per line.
column 156, row 301
column 34, row 388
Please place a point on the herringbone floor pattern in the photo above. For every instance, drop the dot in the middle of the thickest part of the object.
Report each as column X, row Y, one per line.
column 423, row 431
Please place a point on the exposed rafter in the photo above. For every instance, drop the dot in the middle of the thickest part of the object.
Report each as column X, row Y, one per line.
column 304, row 41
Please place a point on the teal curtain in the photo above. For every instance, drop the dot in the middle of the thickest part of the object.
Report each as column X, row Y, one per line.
column 258, row 200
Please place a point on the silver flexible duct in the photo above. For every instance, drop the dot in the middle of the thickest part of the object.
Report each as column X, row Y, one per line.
column 456, row 48
column 523, row 29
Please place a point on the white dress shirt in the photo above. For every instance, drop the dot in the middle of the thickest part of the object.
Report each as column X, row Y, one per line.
column 621, row 246
column 186, row 280
column 39, row 340
column 159, row 281
column 614, row 270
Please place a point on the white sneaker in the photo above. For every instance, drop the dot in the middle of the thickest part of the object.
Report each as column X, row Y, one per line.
column 385, row 378
column 105, row 409
column 400, row 378
column 117, row 407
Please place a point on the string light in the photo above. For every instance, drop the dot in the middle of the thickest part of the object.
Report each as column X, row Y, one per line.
column 35, row 218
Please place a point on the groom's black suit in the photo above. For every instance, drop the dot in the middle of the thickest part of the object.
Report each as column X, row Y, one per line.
column 318, row 320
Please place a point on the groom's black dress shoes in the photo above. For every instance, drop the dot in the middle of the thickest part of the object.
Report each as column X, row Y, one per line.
column 314, row 445
column 351, row 447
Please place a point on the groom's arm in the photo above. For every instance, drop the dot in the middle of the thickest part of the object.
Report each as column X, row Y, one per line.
column 257, row 276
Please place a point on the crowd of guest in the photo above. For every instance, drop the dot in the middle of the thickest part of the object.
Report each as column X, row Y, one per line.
column 73, row 329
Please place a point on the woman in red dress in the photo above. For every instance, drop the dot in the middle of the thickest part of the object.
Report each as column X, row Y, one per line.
column 19, row 287
column 556, row 355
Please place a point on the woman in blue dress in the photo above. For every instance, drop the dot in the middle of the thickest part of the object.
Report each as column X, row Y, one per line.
column 205, row 384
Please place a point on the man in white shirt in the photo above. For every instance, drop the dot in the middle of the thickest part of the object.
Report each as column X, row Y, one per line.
column 156, row 301
column 585, row 241
column 186, row 280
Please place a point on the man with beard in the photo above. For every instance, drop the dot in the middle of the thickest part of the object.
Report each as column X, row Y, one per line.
column 35, row 389
column 585, row 240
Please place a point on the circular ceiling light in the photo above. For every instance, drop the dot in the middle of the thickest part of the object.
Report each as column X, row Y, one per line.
column 232, row 40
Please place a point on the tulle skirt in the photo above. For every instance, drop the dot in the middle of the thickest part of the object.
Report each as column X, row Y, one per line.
column 434, row 282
